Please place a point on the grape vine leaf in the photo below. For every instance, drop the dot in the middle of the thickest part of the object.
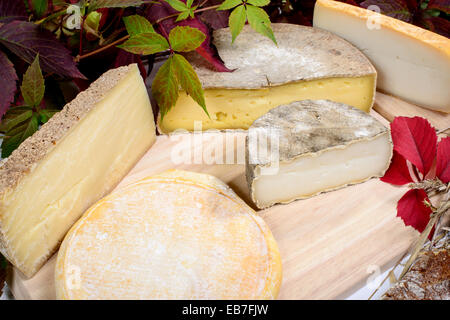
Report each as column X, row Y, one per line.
column 229, row 4
column 214, row 18
column 185, row 39
column 415, row 139
column 8, row 78
column 145, row 43
column 185, row 8
column 137, row 24
column 398, row 172
column 259, row 3
column 206, row 50
column 443, row 160
column 125, row 58
column 14, row 117
column 22, row 122
column 14, row 137
column 395, row 9
column 260, row 22
column 189, row 80
column 248, row 11
column 412, row 210
column 33, row 84
column 12, row 10
column 97, row 4
column 237, row 21
column 39, row 7
column 441, row 5
column 26, row 40
column 165, row 87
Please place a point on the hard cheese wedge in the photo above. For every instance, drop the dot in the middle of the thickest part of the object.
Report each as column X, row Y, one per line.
column 77, row 157
column 177, row 235
column 412, row 63
column 308, row 63
column 299, row 150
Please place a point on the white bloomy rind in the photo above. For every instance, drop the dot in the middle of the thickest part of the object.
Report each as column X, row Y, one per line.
column 176, row 235
column 323, row 146
column 412, row 63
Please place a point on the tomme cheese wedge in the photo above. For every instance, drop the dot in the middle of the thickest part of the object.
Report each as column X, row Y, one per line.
column 299, row 150
column 308, row 63
column 77, row 157
column 177, row 235
column 412, row 63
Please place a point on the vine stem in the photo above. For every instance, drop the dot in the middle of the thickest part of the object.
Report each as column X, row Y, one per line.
column 445, row 205
column 195, row 11
column 118, row 41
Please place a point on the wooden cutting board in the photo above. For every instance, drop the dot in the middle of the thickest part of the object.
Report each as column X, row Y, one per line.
column 329, row 244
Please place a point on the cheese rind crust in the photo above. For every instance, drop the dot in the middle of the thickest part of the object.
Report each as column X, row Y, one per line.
column 304, row 55
column 187, row 232
column 412, row 63
column 41, row 201
column 309, row 128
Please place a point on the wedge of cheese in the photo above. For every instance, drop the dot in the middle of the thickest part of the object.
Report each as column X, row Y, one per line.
column 77, row 157
column 308, row 63
column 299, row 150
column 412, row 63
column 177, row 235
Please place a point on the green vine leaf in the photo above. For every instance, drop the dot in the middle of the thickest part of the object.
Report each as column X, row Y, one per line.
column 248, row 10
column 259, row 20
column 33, row 84
column 177, row 5
column 229, row 4
column 17, row 135
column 137, row 24
column 145, row 43
column 189, row 81
column 165, row 87
column 40, row 7
column 237, row 21
column 98, row 4
column 186, row 9
column 46, row 114
column 14, row 117
column 259, row 3
column 185, row 39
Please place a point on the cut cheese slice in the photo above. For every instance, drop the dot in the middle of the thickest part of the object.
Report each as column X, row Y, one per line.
column 299, row 150
column 412, row 63
column 308, row 63
column 77, row 157
column 177, row 235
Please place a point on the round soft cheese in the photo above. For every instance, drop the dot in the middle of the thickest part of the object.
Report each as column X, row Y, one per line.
column 177, row 235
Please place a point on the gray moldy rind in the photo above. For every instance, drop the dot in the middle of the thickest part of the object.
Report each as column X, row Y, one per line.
column 321, row 126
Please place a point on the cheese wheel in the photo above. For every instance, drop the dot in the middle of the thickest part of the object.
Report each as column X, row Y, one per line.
column 177, row 235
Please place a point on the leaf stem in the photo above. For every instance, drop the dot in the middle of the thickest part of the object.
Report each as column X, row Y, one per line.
column 80, row 57
column 444, row 206
column 195, row 11
column 52, row 16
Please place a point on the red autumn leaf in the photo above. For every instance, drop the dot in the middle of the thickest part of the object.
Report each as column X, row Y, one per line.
column 8, row 78
column 398, row 172
column 12, row 10
column 399, row 9
column 163, row 9
column 415, row 139
column 436, row 24
column 124, row 58
column 412, row 209
column 25, row 39
column 442, row 5
column 443, row 160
